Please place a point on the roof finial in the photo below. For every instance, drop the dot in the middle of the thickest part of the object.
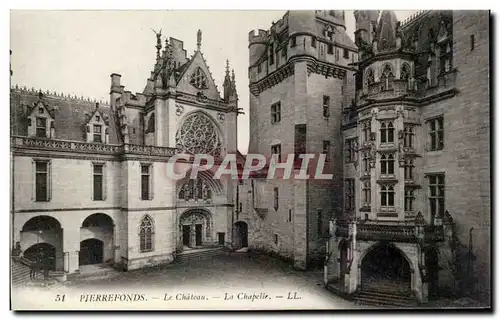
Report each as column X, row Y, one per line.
column 158, row 43
column 232, row 75
column 198, row 40
column 227, row 66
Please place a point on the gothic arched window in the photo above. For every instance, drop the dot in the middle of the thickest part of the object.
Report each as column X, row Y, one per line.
column 387, row 164
column 387, row 78
column 198, row 79
column 369, row 77
column 194, row 190
column 146, row 234
column 386, row 132
column 199, row 134
column 387, row 197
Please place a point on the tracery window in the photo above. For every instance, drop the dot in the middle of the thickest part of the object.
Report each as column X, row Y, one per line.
column 199, row 79
column 409, row 167
column 386, row 132
column 387, row 197
column 409, row 135
column 387, row 78
column 199, row 134
column 387, row 164
column 409, row 199
column 195, row 189
column 146, row 234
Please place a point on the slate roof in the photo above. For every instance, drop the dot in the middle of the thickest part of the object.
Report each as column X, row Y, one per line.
column 70, row 115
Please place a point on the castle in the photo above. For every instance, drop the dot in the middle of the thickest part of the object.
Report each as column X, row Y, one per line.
column 89, row 182
column 403, row 116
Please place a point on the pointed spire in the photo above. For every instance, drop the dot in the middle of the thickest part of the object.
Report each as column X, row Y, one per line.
column 227, row 67
column 198, row 40
column 232, row 76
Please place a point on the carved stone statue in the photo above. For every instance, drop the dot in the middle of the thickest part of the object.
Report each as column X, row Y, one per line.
column 198, row 39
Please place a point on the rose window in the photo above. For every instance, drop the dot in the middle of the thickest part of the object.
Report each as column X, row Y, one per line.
column 198, row 134
column 198, row 79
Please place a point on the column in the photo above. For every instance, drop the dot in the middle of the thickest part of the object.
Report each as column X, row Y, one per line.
column 71, row 248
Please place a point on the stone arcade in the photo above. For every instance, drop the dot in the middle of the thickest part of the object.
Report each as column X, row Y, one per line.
column 88, row 177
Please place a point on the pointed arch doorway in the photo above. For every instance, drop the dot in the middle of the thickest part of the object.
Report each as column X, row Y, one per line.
column 195, row 229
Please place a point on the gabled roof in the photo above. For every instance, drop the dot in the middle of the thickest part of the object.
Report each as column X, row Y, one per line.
column 183, row 85
column 70, row 115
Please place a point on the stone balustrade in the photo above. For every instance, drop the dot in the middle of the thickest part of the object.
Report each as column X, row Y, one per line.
column 18, row 142
column 387, row 232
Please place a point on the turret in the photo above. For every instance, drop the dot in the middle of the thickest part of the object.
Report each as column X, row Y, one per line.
column 365, row 21
column 257, row 44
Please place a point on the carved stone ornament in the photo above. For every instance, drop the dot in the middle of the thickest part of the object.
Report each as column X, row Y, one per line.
column 179, row 110
column 221, row 116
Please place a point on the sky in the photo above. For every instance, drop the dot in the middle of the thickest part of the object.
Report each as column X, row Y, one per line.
column 75, row 52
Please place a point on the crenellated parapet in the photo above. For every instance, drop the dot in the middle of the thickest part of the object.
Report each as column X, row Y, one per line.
column 58, row 96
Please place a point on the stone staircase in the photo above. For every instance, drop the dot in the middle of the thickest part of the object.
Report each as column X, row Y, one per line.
column 200, row 254
column 385, row 299
column 20, row 277
column 385, row 293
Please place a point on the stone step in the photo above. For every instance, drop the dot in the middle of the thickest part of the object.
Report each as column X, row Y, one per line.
column 385, row 298
column 384, row 303
column 198, row 255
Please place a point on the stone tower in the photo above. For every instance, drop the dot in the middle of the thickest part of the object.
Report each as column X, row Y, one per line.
column 300, row 81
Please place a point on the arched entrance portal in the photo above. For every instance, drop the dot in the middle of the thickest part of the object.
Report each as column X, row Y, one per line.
column 96, row 239
column 195, row 229
column 384, row 268
column 42, row 237
column 91, row 252
column 241, row 234
column 43, row 252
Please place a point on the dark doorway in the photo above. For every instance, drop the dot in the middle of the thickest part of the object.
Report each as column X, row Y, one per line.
column 343, row 246
column 221, row 238
column 186, row 234
column 385, row 269
column 198, row 229
column 242, row 234
column 431, row 261
column 42, row 252
column 91, row 251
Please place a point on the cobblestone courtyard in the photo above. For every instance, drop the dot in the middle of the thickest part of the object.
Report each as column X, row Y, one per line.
column 224, row 273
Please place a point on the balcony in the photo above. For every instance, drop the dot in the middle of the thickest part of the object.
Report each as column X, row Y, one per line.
column 18, row 142
column 375, row 91
column 380, row 232
column 383, row 231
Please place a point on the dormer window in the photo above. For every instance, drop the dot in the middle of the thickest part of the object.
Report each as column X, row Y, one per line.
column 97, row 133
column 41, row 127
